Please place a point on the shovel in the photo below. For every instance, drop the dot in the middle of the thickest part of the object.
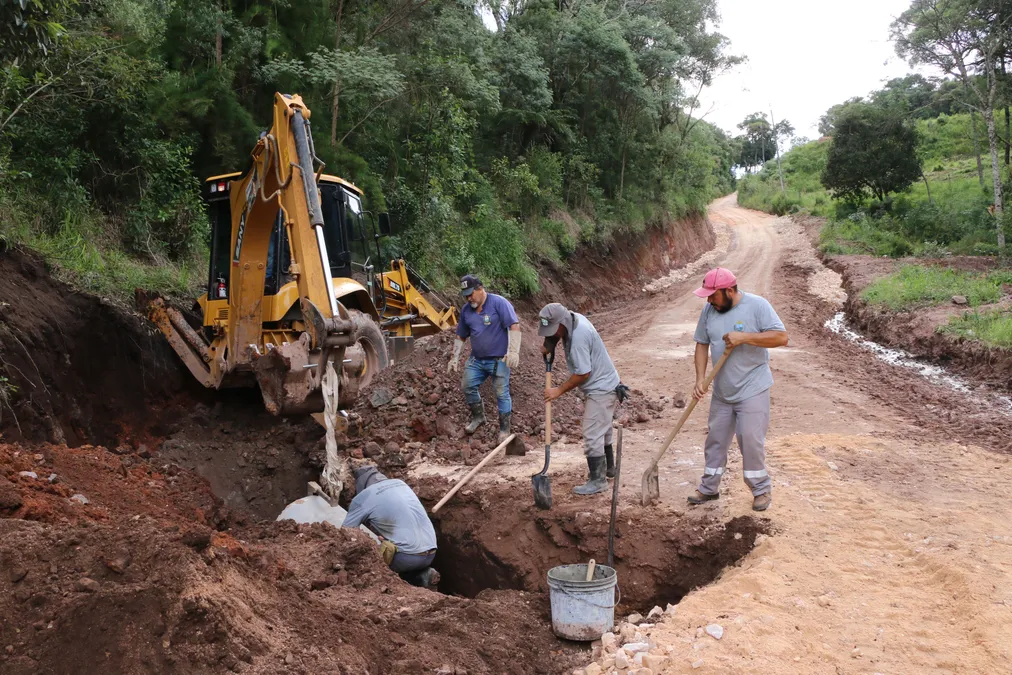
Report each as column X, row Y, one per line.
column 651, row 489
column 541, row 482
column 513, row 446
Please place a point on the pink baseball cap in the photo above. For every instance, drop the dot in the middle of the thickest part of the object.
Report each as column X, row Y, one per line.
column 716, row 279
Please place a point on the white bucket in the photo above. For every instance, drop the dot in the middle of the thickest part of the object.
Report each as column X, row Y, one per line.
column 583, row 610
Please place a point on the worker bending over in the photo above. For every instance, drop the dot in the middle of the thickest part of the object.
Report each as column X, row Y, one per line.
column 592, row 370
column 391, row 509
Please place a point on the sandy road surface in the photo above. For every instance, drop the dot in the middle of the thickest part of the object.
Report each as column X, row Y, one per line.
column 891, row 548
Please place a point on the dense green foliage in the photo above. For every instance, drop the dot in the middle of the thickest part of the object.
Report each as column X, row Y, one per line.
column 873, row 151
column 493, row 150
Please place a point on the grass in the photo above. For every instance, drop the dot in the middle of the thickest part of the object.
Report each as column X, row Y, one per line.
column 993, row 328
column 918, row 286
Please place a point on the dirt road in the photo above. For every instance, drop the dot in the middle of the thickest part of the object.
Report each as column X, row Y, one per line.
column 891, row 547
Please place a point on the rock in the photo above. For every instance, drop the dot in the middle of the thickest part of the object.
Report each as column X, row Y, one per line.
column 621, row 659
column 118, row 564
column 593, row 669
column 10, row 498
column 715, row 630
column 433, row 399
column 379, row 397
column 670, row 609
column 579, row 671
column 143, row 452
column 18, row 573
column 372, row 449
column 53, row 478
column 635, row 647
column 392, row 448
column 654, row 662
column 28, row 474
column 609, row 641
column 319, row 584
column 824, row 601
column 697, row 664
column 856, row 654
column 699, row 632
column 608, row 662
column 121, row 450
column 680, row 401
column 642, row 417
column 289, row 659
column 79, row 498
column 627, row 631
column 832, row 466
column 635, row 618
column 430, row 373
column 87, row 585
column 959, row 300
column 197, row 538
column 655, row 613
column 400, row 400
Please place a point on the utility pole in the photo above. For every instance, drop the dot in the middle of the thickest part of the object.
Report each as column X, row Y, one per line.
column 776, row 139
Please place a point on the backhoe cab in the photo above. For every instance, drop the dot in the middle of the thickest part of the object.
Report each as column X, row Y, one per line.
column 290, row 285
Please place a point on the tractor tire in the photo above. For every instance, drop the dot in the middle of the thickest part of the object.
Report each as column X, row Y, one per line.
column 369, row 338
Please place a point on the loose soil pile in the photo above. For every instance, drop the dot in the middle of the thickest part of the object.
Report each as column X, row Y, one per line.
column 136, row 507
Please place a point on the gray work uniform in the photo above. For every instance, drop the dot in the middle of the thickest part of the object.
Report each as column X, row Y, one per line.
column 741, row 398
column 586, row 353
column 391, row 509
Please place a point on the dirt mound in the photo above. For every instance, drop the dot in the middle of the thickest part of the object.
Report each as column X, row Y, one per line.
column 421, row 412
column 78, row 369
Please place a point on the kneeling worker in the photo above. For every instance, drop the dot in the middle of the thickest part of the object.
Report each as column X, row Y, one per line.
column 391, row 509
column 594, row 373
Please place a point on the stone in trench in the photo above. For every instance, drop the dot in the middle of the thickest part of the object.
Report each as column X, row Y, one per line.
column 593, row 669
column 79, row 498
column 118, row 564
column 87, row 585
column 28, row 474
column 697, row 664
column 372, row 449
column 17, row 574
column 400, row 400
column 654, row 662
column 715, row 630
column 608, row 641
column 824, row 601
column 635, row 647
column 655, row 613
column 959, row 300
column 635, row 618
column 379, row 397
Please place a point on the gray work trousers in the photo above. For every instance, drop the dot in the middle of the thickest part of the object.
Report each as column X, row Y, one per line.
column 598, row 411
column 749, row 421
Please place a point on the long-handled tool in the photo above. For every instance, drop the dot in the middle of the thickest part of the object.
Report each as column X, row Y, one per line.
column 614, row 498
column 541, row 482
column 508, row 443
column 651, row 489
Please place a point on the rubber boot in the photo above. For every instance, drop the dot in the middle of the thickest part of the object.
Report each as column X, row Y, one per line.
column 477, row 418
column 504, row 425
column 597, row 482
column 609, row 455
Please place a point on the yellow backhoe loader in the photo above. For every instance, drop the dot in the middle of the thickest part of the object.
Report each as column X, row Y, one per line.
column 291, row 290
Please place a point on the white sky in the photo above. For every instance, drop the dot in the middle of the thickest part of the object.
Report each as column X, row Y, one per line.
column 803, row 57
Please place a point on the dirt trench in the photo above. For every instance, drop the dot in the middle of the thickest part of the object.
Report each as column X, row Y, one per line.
column 137, row 508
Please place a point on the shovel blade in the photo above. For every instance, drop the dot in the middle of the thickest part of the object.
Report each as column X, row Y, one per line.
column 651, row 488
column 542, row 491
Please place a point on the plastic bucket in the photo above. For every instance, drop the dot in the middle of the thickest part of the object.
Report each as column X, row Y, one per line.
column 583, row 610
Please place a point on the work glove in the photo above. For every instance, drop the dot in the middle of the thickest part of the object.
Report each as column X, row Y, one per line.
column 454, row 365
column 512, row 357
column 388, row 550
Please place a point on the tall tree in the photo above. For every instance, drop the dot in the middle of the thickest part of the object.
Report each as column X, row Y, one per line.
column 963, row 38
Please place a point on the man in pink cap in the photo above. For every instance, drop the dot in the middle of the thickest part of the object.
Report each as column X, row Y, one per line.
column 740, row 406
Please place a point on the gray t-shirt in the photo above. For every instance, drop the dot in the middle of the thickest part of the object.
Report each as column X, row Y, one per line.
column 747, row 371
column 391, row 509
column 586, row 353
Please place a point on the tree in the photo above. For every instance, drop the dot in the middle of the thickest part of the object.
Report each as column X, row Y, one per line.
column 963, row 38
column 873, row 151
column 827, row 123
column 759, row 143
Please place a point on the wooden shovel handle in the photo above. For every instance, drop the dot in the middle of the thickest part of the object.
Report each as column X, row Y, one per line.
column 470, row 474
column 548, row 410
column 688, row 411
column 590, row 570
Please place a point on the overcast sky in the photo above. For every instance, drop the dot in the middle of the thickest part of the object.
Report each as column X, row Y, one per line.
column 803, row 57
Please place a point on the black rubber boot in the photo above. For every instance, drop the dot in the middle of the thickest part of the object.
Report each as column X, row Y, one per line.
column 597, row 482
column 504, row 425
column 609, row 455
column 477, row 418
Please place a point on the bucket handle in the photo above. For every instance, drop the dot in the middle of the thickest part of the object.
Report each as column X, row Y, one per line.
column 618, row 590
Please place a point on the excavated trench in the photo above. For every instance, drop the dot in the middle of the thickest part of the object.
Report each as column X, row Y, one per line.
column 499, row 541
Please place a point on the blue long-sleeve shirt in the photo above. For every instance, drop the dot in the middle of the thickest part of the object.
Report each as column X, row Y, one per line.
column 391, row 509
